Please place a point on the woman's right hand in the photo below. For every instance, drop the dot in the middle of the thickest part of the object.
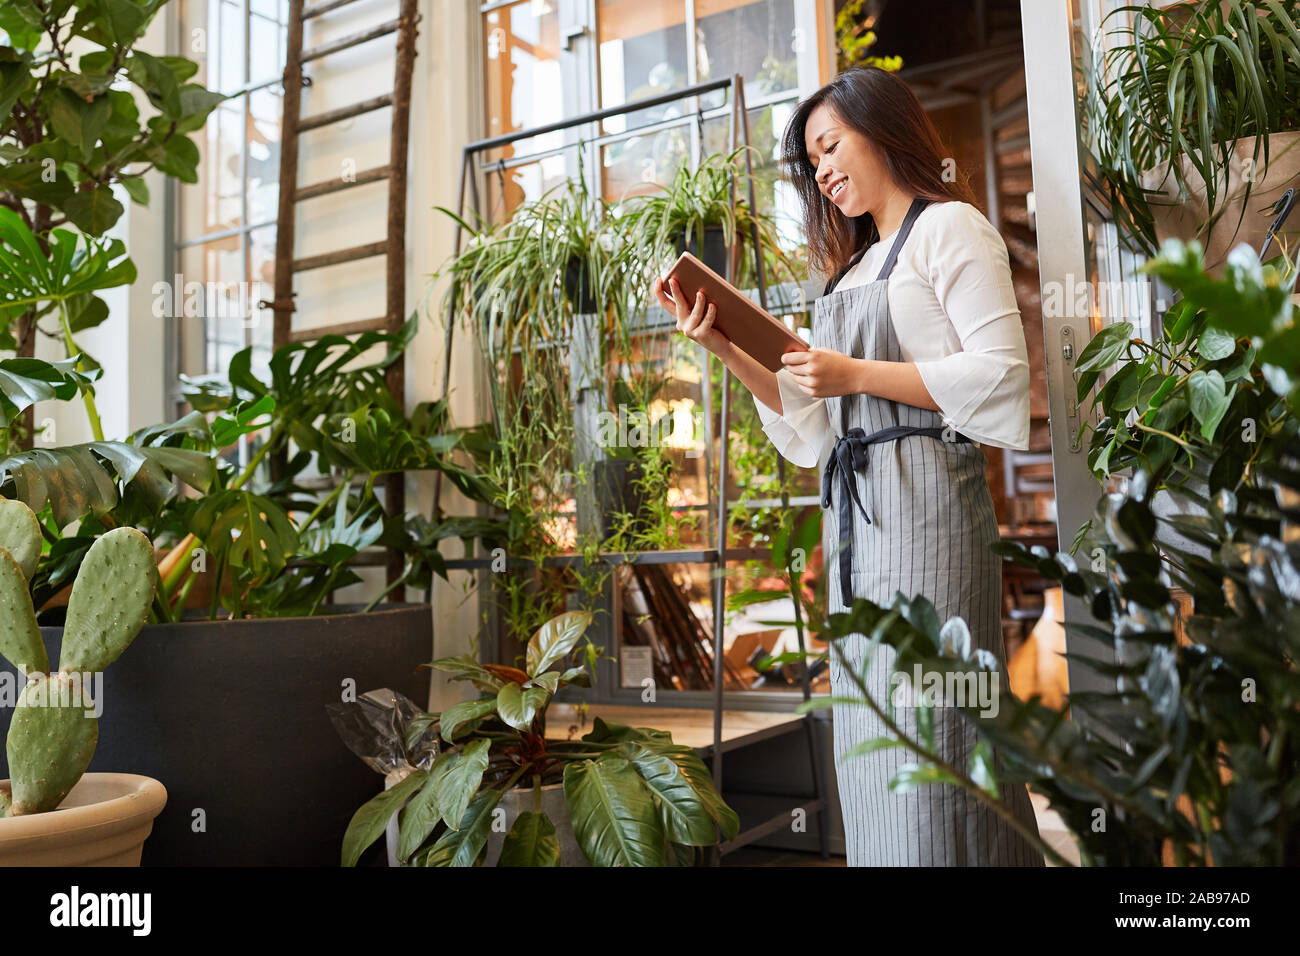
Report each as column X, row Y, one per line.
column 695, row 321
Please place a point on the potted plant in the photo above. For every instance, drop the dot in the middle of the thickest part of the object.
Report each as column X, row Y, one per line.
column 103, row 818
column 1194, row 118
column 629, row 796
column 264, row 557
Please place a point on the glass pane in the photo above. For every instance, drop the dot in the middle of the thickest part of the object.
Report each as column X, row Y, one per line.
column 522, row 73
column 261, row 278
column 263, row 162
column 226, row 46
column 642, row 53
column 266, row 39
column 214, row 204
column 508, row 188
column 643, row 164
column 756, row 40
column 208, row 309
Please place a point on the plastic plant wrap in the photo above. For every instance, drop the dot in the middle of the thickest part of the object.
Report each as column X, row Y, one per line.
column 387, row 731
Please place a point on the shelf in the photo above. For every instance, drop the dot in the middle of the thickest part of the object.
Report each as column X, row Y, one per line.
column 693, row 728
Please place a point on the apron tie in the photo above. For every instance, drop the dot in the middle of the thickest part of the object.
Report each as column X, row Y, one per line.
column 848, row 456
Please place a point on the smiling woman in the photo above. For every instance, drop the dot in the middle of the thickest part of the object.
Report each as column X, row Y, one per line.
column 906, row 372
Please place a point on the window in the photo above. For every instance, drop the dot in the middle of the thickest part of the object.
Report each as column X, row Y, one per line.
column 225, row 223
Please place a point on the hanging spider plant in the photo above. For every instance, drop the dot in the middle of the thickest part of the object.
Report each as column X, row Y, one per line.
column 1182, row 92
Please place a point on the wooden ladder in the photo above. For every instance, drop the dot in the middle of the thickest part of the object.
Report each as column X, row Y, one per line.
column 392, row 248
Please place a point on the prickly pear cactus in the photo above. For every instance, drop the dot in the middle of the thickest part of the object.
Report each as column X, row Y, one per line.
column 54, row 731
column 110, row 600
column 20, row 534
column 20, row 637
column 51, row 741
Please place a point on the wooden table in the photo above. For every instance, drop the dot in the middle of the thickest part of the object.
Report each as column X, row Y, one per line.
column 694, row 728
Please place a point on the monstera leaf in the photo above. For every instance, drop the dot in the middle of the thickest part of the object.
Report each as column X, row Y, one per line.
column 247, row 530
column 76, row 480
column 75, row 266
column 26, row 381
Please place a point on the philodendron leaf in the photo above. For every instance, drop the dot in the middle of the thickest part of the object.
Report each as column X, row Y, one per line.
column 20, row 636
column 51, row 740
column 1209, row 400
column 531, row 842
column 463, row 845
column 458, row 719
column 686, row 818
column 461, row 781
column 421, row 815
column 613, row 813
column 518, row 706
column 20, row 535
column 371, row 819
column 555, row 639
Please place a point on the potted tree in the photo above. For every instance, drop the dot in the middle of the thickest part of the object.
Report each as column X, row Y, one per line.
column 103, row 818
column 1194, row 118
column 620, row 796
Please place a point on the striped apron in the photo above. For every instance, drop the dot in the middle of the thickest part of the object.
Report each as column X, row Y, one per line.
column 906, row 507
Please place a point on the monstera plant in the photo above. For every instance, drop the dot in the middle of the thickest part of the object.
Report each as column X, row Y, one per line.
column 632, row 796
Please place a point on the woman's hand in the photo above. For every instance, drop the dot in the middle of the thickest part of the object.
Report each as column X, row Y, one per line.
column 825, row 373
column 694, row 320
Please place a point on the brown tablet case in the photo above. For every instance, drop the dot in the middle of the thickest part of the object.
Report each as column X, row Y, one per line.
column 739, row 318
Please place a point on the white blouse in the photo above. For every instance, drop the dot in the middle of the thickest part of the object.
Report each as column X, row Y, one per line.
column 955, row 316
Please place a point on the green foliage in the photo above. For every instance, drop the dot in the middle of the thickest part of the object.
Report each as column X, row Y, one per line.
column 854, row 37
column 1191, row 750
column 1188, row 83
column 1213, row 399
column 634, row 798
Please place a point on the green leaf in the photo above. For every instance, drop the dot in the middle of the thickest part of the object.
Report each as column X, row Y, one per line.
column 1215, row 344
column 613, row 813
column 421, row 815
column 372, row 818
column 531, row 842
column 458, row 719
column 914, row 776
column 687, row 819
column 93, row 211
column 1209, row 400
column 1105, row 348
column 518, row 706
column 555, row 639
column 462, row 780
column 463, row 846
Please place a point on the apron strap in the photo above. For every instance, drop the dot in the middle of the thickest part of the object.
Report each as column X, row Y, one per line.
column 909, row 220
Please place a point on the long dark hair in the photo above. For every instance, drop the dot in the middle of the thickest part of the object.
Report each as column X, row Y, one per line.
column 884, row 109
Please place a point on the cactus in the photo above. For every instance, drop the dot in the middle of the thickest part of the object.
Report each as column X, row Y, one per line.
column 54, row 732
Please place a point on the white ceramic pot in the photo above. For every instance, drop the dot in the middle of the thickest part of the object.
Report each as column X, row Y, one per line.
column 1186, row 220
column 103, row 822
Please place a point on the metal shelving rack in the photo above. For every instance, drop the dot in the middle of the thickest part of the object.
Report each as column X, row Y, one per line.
column 471, row 169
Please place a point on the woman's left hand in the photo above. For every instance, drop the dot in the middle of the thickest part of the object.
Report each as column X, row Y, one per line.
column 825, row 373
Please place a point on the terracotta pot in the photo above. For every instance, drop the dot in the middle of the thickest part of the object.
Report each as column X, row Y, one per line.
column 103, row 822
column 1187, row 220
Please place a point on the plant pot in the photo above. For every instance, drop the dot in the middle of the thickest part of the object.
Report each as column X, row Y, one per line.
column 1186, row 220
column 715, row 249
column 104, row 821
column 617, row 492
column 578, row 288
column 231, row 714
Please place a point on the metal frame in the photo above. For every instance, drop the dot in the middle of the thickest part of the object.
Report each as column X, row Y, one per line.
column 718, row 555
column 1057, row 162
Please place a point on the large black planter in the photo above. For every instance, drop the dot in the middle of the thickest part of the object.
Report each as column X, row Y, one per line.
column 230, row 717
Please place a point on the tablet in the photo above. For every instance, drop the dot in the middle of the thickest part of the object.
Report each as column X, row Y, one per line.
column 754, row 331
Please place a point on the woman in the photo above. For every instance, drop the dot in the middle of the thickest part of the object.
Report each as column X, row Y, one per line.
column 917, row 354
